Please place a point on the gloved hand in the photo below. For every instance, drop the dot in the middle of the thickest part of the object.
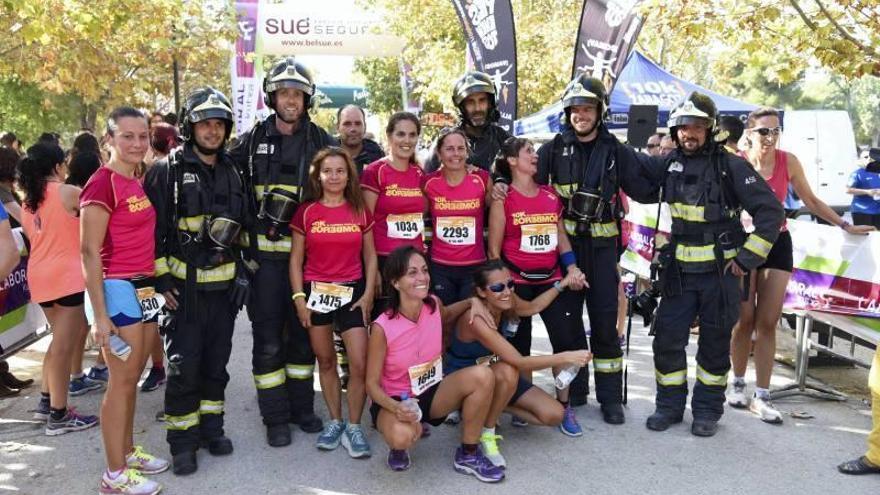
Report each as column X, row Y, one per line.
column 240, row 292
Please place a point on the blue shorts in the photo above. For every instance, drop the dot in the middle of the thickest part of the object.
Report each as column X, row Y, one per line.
column 123, row 307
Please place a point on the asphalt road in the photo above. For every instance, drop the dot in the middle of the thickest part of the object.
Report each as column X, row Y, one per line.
column 746, row 456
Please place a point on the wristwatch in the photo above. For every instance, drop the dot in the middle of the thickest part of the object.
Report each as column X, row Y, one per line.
column 558, row 286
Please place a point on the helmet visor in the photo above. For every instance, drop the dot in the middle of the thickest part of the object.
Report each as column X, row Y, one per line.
column 463, row 93
column 212, row 108
column 680, row 120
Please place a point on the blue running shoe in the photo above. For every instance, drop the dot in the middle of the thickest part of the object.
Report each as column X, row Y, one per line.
column 570, row 425
column 478, row 465
column 72, row 421
column 331, row 436
column 42, row 410
column 82, row 385
column 99, row 375
column 154, row 380
column 398, row 460
column 355, row 442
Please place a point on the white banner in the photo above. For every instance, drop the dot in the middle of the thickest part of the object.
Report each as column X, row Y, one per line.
column 296, row 29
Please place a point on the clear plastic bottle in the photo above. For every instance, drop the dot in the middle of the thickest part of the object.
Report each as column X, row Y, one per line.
column 564, row 378
column 412, row 404
column 509, row 327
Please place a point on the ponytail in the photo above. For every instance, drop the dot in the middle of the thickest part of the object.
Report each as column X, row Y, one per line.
column 34, row 171
column 510, row 148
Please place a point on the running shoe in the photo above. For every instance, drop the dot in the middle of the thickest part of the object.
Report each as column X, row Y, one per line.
column 478, row 465
column 518, row 422
column 355, row 442
column 570, row 425
column 763, row 408
column 738, row 398
column 489, row 444
column 130, row 482
column 154, row 379
column 71, row 421
column 42, row 411
column 99, row 375
column 144, row 462
column 331, row 436
column 398, row 460
column 82, row 385
column 453, row 418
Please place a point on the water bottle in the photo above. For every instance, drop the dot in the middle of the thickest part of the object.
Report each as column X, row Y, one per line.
column 412, row 404
column 509, row 327
column 119, row 347
column 564, row 378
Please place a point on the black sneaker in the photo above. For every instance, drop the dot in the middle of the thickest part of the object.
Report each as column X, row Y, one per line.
column 704, row 427
column 184, row 463
column 661, row 422
column 278, row 435
column 154, row 380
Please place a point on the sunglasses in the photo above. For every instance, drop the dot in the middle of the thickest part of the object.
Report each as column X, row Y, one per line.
column 766, row 131
column 652, row 145
column 499, row 287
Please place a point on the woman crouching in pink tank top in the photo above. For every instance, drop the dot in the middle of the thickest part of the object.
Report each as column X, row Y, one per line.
column 405, row 362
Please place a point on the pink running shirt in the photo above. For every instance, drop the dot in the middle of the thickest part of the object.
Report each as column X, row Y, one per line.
column 409, row 343
column 129, row 244
column 400, row 203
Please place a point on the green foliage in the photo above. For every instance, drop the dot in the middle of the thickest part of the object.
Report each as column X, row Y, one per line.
column 545, row 31
column 28, row 111
column 108, row 52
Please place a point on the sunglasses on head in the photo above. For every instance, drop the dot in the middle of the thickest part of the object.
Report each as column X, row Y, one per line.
column 766, row 131
column 499, row 287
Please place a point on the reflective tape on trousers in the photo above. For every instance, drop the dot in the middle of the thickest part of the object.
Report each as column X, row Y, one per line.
column 299, row 371
column 184, row 422
column 710, row 379
column 671, row 379
column 270, row 380
column 612, row 365
column 211, row 407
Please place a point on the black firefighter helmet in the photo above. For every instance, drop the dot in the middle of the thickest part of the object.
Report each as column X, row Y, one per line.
column 288, row 73
column 203, row 104
column 583, row 90
column 473, row 82
column 695, row 107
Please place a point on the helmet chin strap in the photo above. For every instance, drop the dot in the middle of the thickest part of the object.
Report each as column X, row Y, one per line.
column 207, row 151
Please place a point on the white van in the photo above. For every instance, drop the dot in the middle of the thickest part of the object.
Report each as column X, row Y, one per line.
column 824, row 142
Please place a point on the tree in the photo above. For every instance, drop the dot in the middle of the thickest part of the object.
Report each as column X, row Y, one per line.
column 843, row 36
column 761, row 51
column 28, row 111
column 545, row 31
column 108, row 52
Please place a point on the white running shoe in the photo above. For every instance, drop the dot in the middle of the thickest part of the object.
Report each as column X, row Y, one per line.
column 131, row 482
column 489, row 444
column 738, row 398
column 764, row 409
column 453, row 418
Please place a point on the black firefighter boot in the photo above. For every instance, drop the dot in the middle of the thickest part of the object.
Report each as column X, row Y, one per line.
column 302, row 405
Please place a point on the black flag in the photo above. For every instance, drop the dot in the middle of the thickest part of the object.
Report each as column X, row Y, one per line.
column 488, row 29
column 607, row 33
